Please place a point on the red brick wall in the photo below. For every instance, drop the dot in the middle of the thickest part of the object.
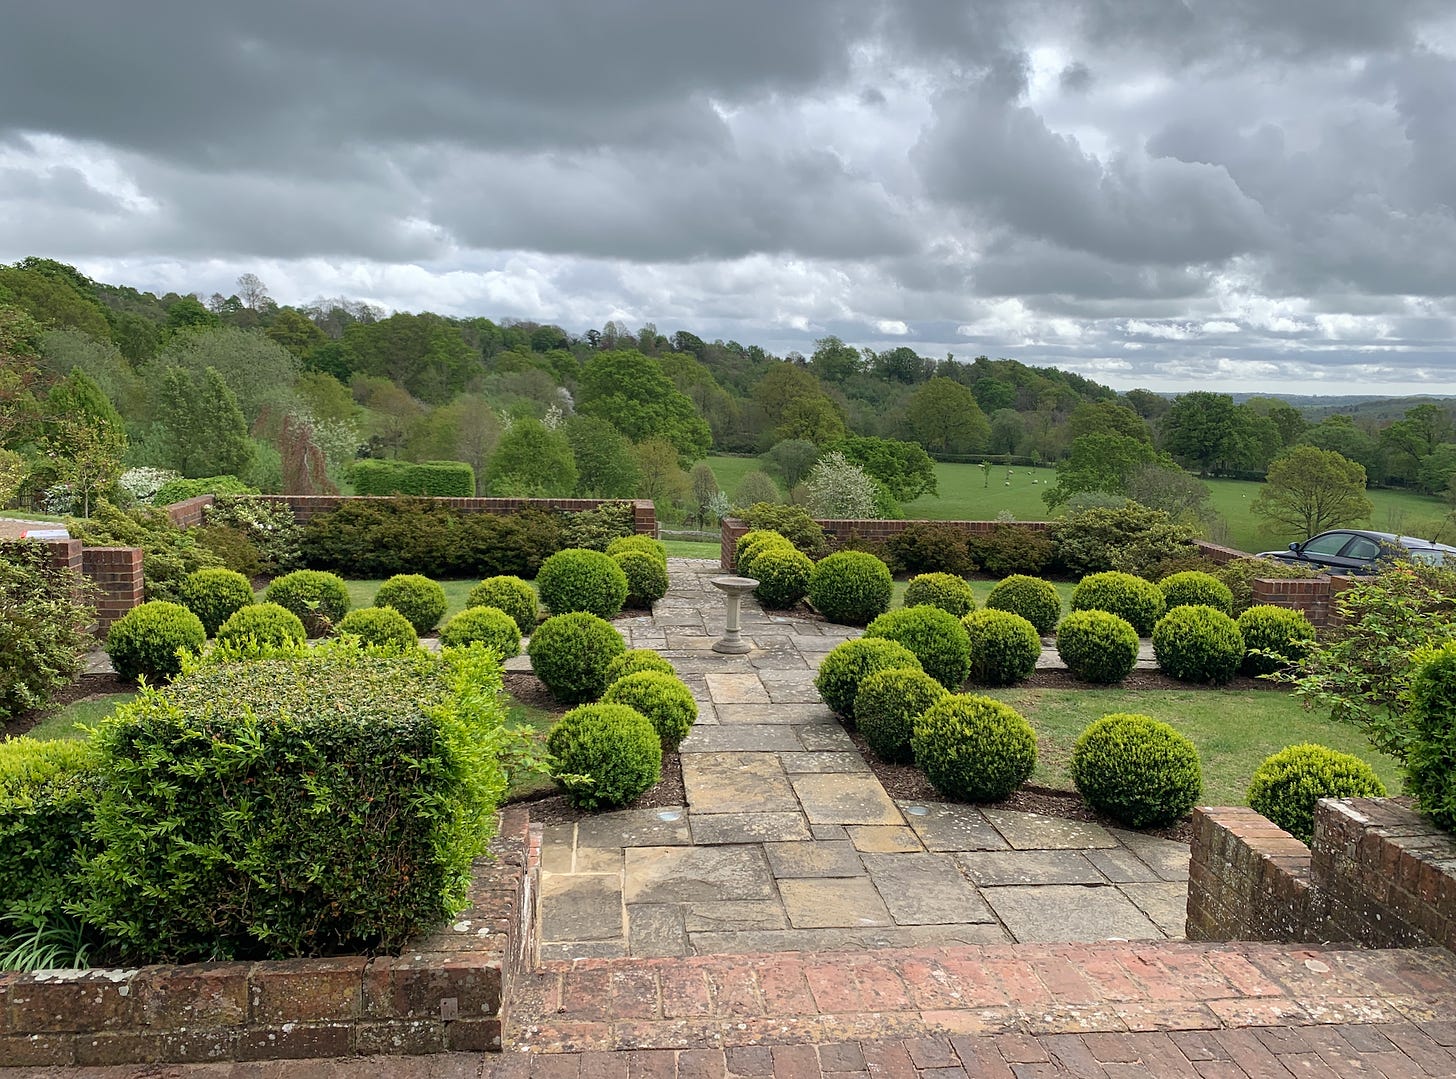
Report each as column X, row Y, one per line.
column 189, row 512
column 117, row 574
column 1248, row 878
column 1314, row 596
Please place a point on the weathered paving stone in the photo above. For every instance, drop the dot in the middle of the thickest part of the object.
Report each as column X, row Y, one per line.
column 813, row 860
column 1166, row 857
column 825, row 738
column 1121, row 866
column 994, row 868
column 737, row 783
column 729, row 738
column 835, row 902
column 1165, row 902
column 1033, row 831
column 796, row 714
column 696, row 874
column 656, row 929
column 581, row 907
column 1069, row 912
column 752, row 942
column 829, row 833
column 845, row 798
column 728, row 689
column 558, row 848
column 925, row 889
column 947, row 826
column 732, row 916
column 822, row 762
column 719, row 828
column 893, row 839
column 598, row 860
column 666, row 827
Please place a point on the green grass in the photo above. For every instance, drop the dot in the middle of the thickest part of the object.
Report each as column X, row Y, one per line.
column 730, row 471
column 61, row 724
column 692, row 549
column 540, row 721
column 29, row 515
column 1234, row 730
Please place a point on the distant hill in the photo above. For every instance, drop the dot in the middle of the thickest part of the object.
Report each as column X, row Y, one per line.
column 1361, row 406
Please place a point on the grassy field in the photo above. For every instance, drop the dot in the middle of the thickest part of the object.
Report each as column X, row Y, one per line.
column 62, row 723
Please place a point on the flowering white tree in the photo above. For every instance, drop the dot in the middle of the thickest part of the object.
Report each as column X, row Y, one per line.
column 838, row 489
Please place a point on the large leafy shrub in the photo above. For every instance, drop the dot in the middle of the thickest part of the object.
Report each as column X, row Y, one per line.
column 1431, row 761
column 582, row 580
column 570, row 653
column 1198, row 644
column 43, row 620
column 418, row 598
column 169, row 553
column 179, row 490
column 599, row 528
column 1288, row 785
column 214, row 594
column 510, row 594
column 974, row 749
column 783, row 573
column 269, row 527
column 851, row 587
column 634, row 660
column 434, row 478
column 1129, row 538
column 1193, row 588
column 144, row 642
column 1274, row 638
column 47, row 790
column 604, row 755
column 327, row 802
column 791, row 522
column 1129, row 597
column 1034, row 599
column 319, row 599
column 646, row 576
column 944, row 590
column 1097, row 646
column 936, row 637
column 1009, row 549
column 663, row 698
column 383, row 627
column 1136, row 770
column 490, row 626
column 846, row 665
column 929, row 547
column 1004, row 647
column 262, row 626
column 888, row 704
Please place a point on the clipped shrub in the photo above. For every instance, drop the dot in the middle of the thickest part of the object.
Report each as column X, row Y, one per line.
column 448, row 479
column 510, row 594
column 1004, row 647
column 791, row 522
column 1011, row 549
column 888, row 704
column 663, row 698
column 418, row 598
column 43, row 626
column 1431, row 756
column 570, row 653
column 637, row 659
column 944, row 590
column 846, row 665
column 319, row 599
column 269, row 527
column 214, row 594
column 751, row 542
column 1286, row 787
column 1137, row 601
column 1198, row 644
column 580, row 580
column 936, row 637
column 598, row 528
column 262, row 625
column 1136, row 770
column 974, row 749
column 850, row 587
column 646, row 544
column 144, row 641
column 490, row 626
column 179, row 490
column 928, row 547
column 604, row 755
column 1034, row 599
column 782, row 572
column 1129, row 537
column 646, row 577
column 382, row 626
column 1278, row 630
column 233, row 548
column 1194, row 588
column 1097, row 646
column 47, row 789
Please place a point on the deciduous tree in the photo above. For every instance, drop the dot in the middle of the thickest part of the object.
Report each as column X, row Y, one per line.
column 1310, row 489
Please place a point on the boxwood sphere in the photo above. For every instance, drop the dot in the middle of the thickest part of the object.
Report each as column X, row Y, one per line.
column 783, row 575
column 265, row 624
column 645, row 544
column 1194, row 588
column 144, row 641
column 319, row 598
column 1273, row 629
column 663, row 698
column 489, row 626
column 852, row 587
column 214, row 594
column 577, row 579
column 1004, row 647
column 510, row 594
column 1136, row 770
column 637, row 659
column 418, row 598
column 1097, row 646
column 604, row 755
column 384, row 626
column 943, row 590
column 1198, row 644
column 1286, row 787
column 974, row 749
column 646, row 576
column 1131, row 598
column 846, row 665
column 749, row 543
column 1034, row 599
column 888, row 704
column 570, row 653
column 936, row 637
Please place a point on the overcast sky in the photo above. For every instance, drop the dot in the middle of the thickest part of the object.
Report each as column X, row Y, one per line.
column 1241, row 194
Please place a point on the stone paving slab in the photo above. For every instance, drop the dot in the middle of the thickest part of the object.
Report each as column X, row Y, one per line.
column 737, row 783
column 844, row 798
column 1032, row 831
column 822, row 762
column 947, row 826
column 721, row 828
column 728, row 737
column 696, row 874
column 833, row 902
column 813, row 860
column 925, row 889
column 582, row 906
column 799, row 715
column 992, row 868
column 1061, row 912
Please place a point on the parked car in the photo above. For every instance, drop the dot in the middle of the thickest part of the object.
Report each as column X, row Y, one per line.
column 1357, row 550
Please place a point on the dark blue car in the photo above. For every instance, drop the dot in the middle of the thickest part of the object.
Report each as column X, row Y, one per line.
column 1358, row 550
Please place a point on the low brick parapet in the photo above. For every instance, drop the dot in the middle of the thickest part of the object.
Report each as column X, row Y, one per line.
column 1248, row 878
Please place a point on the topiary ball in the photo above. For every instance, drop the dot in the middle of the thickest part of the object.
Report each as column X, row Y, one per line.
column 262, row 626
column 144, row 641
column 214, row 594
column 418, row 598
column 1194, row 588
column 637, row 659
column 646, row 544
column 846, row 665
column 783, row 575
column 852, row 587
column 943, row 590
column 1198, row 644
column 751, row 554
column 974, row 749
column 646, row 577
column 1286, row 787
column 381, row 626
column 936, row 637
column 1097, row 646
column 570, row 653
column 603, row 755
column 663, row 698
column 490, row 626
column 1136, row 770
column 580, row 580
column 1034, row 599
column 319, row 599
column 1286, row 634
column 1004, row 647
column 510, row 594
column 1131, row 598
column 888, row 704
column 749, row 543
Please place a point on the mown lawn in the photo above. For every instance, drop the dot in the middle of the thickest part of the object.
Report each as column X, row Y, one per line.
column 63, row 722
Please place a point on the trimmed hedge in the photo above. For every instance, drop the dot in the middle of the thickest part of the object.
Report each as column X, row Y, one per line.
column 663, row 698
column 930, row 547
column 943, row 590
column 1014, row 549
column 489, row 626
column 846, row 665
column 510, row 594
column 1194, row 588
column 441, row 479
column 383, row 627
column 418, row 598
column 782, row 572
column 43, row 626
column 180, row 490
column 1287, row 786
column 937, row 638
column 1137, row 770
column 319, row 599
column 791, row 522
column 888, row 704
column 646, row 576
column 1097, row 646
column 604, row 755
column 850, row 587
column 1032, row 598
column 262, row 626
column 1131, row 598
column 213, row 595
column 144, row 642
column 570, row 653
column 577, row 579
column 1198, row 644
column 1278, row 630
column 974, row 749
column 47, row 791
column 1004, row 647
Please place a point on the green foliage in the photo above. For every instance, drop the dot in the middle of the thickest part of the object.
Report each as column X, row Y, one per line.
column 903, row 468
column 944, row 590
column 1431, row 759
column 1240, row 574
column 663, row 698
column 213, row 595
column 1032, row 598
column 203, row 431
column 1004, row 647
column 510, row 594
column 1193, row 588
column 47, row 790
column 1138, row 601
column 887, row 706
column 169, row 553
column 53, row 942
column 329, row 802
column 262, row 627
column 1097, row 646
column 43, row 622
column 1013, row 549
column 791, row 522
column 633, row 393
column 783, row 573
column 1102, row 461
column 179, row 490
column 634, row 660
column 646, row 576
column 937, row 638
column 1287, row 786
column 851, row 587
column 846, row 665
column 531, row 461
column 645, row 544
column 837, row 489
column 1130, row 538
column 927, row 547
column 384, row 627
column 1274, row 638
column 1137, row 770
column 570, row 653
column 604, row 755
column 580, row 580
column 1198, row 644
column 319, row 599
column 490, row 626
column 144, row 641
column 597, row 529
column 440, row 479
column 268, row 526
column 1308, row 490
column 755, row 487
column 974, row 749
column 418, row 598
column 752, row 542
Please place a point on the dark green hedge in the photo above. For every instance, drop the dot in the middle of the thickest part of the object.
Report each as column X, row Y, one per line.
column 47, row 790
column 441, row 479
